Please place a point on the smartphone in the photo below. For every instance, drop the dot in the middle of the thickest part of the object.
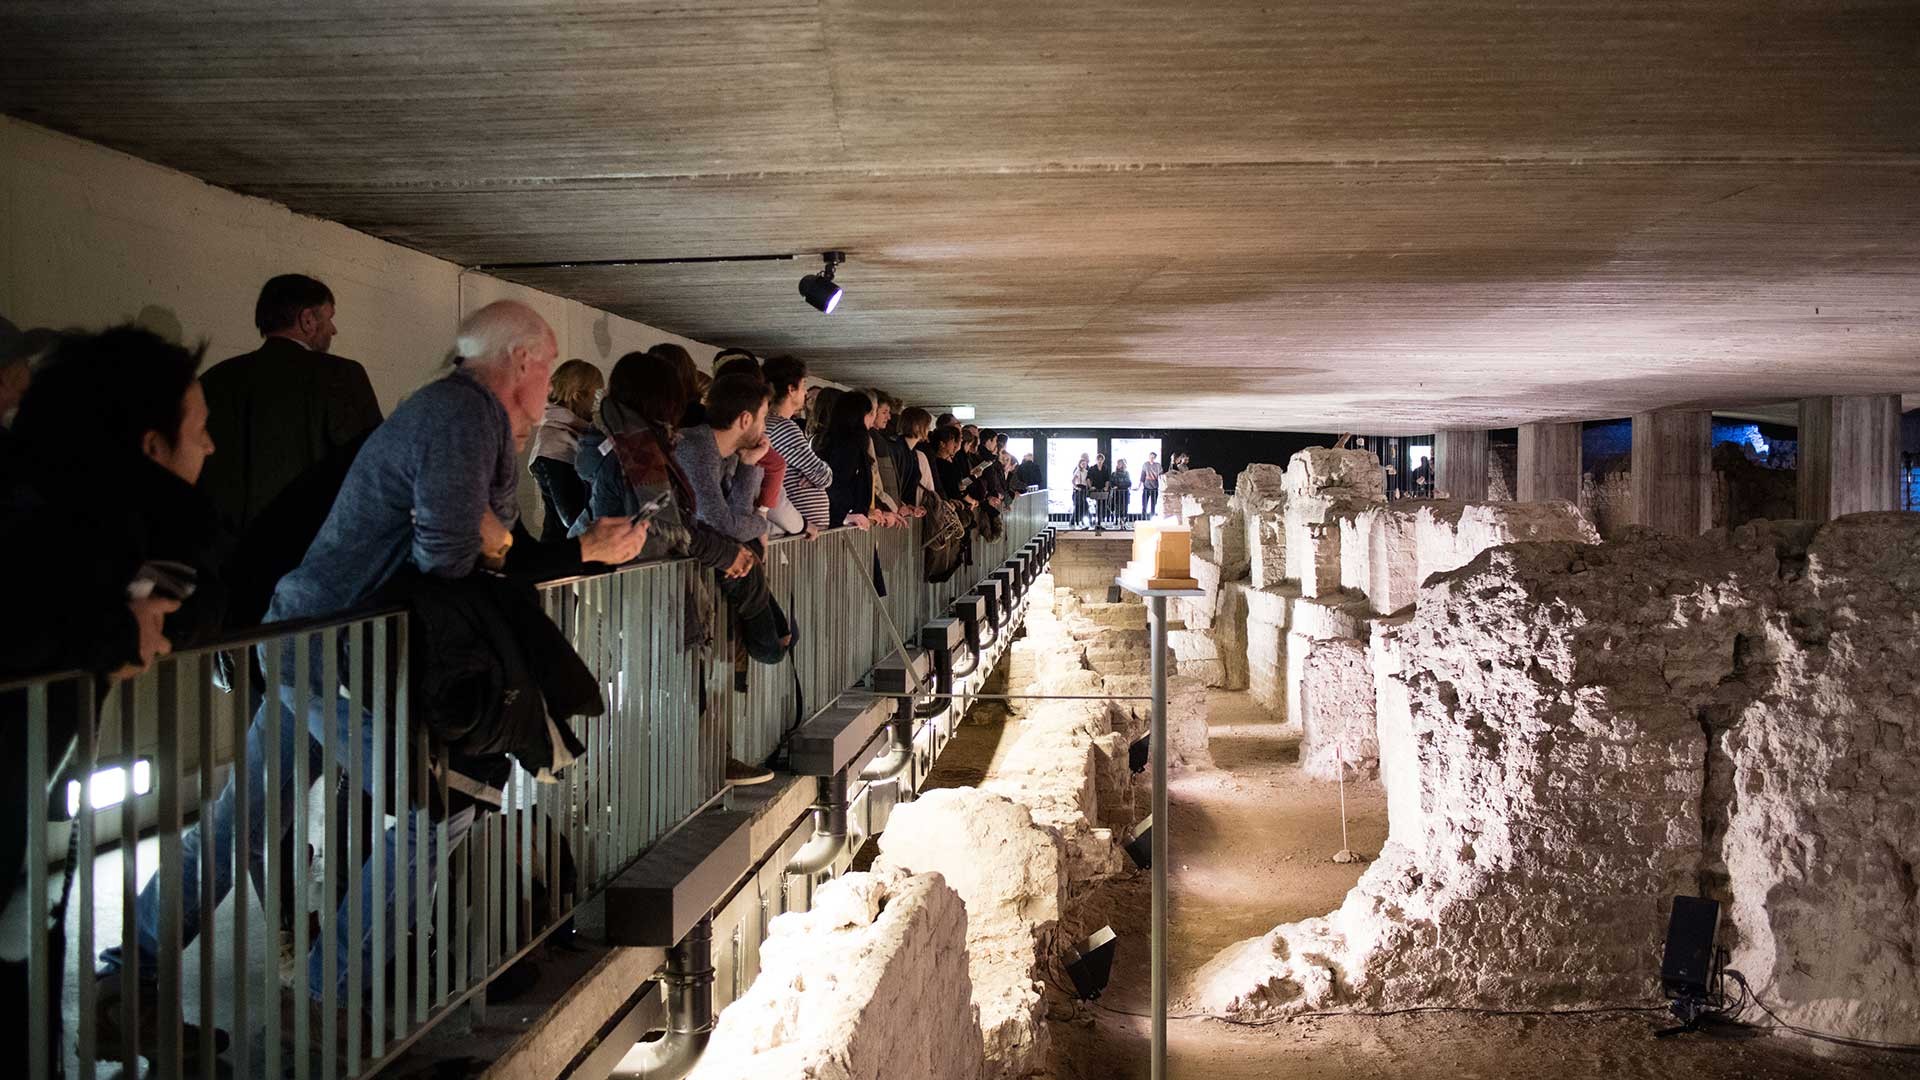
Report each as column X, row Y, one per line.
column 651, row 507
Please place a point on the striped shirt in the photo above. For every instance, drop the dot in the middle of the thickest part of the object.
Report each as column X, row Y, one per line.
column 807, row 476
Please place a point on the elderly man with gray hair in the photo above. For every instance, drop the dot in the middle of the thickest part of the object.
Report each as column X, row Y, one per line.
column 433, row 489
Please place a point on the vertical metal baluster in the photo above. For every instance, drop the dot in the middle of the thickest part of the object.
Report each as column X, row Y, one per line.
column 129, row 885
column 424, row 831
column 403, row 836
column 641, row 714
column 442, row 838
column 330, row 869
column 633, row 812
column 271, row 851
column 168, row 783
column 40, row 1051
column 243, row 781
column 303, row 706
column 461, row 944
column 361, row 660
column 509, row 881
column 87, row 1038
column 489, row 893
column 382, row 792
column 523, row 828
column 209, row 861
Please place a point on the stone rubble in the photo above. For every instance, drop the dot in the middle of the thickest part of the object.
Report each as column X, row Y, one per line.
column 879, row 954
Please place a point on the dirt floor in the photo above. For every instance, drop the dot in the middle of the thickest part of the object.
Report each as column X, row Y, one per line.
column 1252, row 847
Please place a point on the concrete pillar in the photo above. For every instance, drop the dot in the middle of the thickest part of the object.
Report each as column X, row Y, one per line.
column 1849, row 455
column 1673, row 471
column 1460, row 464
column 1549, row 463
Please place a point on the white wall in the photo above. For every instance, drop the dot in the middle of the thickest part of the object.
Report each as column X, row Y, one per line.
column 90, row 237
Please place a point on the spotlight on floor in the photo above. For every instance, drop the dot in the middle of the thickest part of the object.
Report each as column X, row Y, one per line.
column 1140, row 848
column 1138, row 751
column 819, row 289
column 1092, row 964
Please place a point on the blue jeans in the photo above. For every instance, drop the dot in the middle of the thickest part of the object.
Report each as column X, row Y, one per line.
column 328, row 716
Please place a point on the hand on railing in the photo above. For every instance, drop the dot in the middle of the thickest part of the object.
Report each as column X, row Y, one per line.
column 859, row 521
column 150, row 614
column 613, row 540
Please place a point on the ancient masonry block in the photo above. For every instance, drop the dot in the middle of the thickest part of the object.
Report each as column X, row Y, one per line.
column 1583, row 732
column 1010, row 873
column 1268, row 612
column 1408, row 542
column 1322, row 486
column 1315, row 619
column 878, row 954
column 1337, row 734
column 1393, row 730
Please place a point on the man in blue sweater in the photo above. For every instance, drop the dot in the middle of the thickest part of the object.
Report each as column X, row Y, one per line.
column 434, row 487
column 722, row 461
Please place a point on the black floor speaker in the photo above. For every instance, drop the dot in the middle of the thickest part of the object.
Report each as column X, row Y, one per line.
column 1686, row 970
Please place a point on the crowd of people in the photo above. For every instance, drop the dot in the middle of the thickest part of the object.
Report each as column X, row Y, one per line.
column 160, row 508
column 1103, row 496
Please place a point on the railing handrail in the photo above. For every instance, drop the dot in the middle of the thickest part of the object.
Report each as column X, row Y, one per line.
column 260, row 633
column 246, row 637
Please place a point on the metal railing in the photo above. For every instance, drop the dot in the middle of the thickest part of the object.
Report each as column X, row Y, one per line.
column 394, row 903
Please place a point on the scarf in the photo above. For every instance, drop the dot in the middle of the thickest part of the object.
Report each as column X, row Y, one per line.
column 557, row 437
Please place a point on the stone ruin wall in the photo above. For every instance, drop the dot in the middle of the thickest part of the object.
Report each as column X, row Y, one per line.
column 1570, row 735
column 878, row 956
column 1046, row 822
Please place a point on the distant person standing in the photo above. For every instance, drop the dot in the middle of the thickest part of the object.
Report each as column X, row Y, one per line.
column 1028, row 474
column 1150, row 486
column 1080, row 489
column 281, row 409
column 1122, row 486
column 1099, row 483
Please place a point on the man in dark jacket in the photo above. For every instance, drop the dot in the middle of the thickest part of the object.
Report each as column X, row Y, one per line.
column 1028, row 473
column 285, row 407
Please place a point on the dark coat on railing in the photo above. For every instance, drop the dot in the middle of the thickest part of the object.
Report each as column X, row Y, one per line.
column 493, row 677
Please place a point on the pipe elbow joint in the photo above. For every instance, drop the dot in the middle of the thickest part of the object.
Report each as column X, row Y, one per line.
column 671, row 1057
column 891, row 764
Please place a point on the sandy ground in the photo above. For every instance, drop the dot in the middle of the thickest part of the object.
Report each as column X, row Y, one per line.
column 1252, row 847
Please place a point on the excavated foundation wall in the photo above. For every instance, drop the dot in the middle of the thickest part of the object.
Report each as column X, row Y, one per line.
column 872, row 983
column 1570, row 735
column 1047, row 820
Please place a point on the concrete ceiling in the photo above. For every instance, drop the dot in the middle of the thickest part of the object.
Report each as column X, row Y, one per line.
column 1328, row 215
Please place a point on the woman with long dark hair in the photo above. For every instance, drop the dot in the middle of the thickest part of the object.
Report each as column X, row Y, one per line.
column 854, row 498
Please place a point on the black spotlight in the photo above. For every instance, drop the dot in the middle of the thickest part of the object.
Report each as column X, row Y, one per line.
column 1140, row 848
column 819, row 289
column 1092, row 964
column 1137, row 752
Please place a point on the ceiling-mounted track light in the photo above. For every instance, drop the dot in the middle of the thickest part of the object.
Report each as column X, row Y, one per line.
column 819, row 289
